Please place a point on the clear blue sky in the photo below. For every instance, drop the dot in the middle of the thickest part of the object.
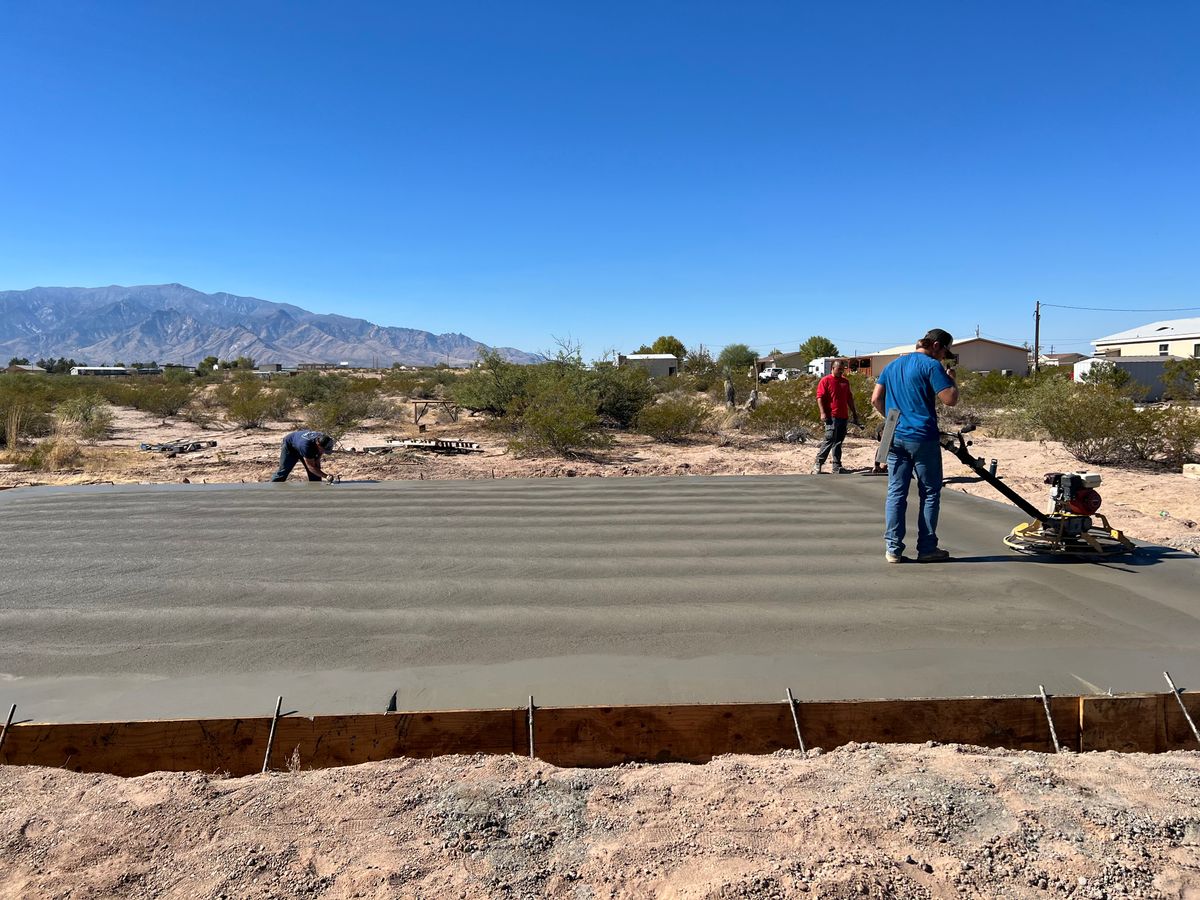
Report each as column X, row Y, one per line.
column 753, row 172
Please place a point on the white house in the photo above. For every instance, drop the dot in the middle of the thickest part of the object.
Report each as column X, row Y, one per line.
column 659, row 365
column 1173, row 337
column 974, row 355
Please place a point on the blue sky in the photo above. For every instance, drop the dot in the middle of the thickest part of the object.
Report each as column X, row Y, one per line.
column 752, row 172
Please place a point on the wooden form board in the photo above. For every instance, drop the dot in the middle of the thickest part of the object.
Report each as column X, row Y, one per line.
column 601, row 736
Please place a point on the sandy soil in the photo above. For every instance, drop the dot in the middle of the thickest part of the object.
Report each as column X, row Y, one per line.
column 1149, row 504
column 862, row 821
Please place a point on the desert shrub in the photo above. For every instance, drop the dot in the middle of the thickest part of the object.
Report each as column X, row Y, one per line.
column 621, row 393
column 384, row 409
column 785, row 406
column 1096, row 424
column 561, row 419
column 53, row 454
column 24, row 408
column 1181, row 378
column 89, row 413
column 673, row 417
column 249, row 404
column 699, row 370
column 497, row 386
column 162, row 399
column 1032, row 409
column 338, row 414
column 1180, row 430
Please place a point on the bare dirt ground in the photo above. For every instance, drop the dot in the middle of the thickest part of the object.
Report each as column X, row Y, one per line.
column 865, row 820
column 1149, row 504
column 861, row 821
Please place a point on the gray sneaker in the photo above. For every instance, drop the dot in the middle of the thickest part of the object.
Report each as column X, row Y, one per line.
column 891, row 557
column 938, row 555
column 816, row 470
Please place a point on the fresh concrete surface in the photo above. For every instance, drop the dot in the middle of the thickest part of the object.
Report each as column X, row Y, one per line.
column 183, row 601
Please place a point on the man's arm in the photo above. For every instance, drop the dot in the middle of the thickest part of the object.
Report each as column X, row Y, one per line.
column 949, row 396
column 853, row 408
column 877, row 398
column 823, row 402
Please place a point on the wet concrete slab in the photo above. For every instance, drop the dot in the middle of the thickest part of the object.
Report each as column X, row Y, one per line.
column 209, row 600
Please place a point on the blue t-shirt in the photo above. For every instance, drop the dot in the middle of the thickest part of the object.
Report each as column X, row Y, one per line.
column 305, row 442
column 913, row 382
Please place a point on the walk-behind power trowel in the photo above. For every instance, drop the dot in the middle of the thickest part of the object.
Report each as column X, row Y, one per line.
column 1073, row 527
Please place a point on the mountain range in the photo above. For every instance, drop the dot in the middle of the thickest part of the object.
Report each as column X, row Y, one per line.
column 172, row 323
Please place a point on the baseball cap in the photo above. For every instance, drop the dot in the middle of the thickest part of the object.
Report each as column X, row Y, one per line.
column 944, row 338
column 326, row 442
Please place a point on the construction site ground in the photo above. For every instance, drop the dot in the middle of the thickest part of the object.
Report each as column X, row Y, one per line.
column 473, row 581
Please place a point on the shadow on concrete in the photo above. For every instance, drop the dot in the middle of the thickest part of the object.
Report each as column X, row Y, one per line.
column 1143, row 556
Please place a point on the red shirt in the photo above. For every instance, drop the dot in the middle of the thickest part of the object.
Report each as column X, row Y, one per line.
column 836, row 392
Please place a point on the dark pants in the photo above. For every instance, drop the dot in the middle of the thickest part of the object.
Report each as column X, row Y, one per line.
column 288, row 457
column 835, row 433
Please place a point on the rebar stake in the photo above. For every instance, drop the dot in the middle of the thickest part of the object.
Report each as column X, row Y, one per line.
column 3, row 734
column 529, row 718
column 795, row 719
column 1049, row 719
column 271, row 736
column 1179, row 697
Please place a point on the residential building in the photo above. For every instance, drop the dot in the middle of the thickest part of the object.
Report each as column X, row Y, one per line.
column 974, row 355
column 659, row 365
column 1061, row 359
column 1146, row 371
column 25, row 370
column 1173, row 337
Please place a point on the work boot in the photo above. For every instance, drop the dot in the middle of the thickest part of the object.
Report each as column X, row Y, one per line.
column 938, row 555
column 891, row 557
column 816, row 470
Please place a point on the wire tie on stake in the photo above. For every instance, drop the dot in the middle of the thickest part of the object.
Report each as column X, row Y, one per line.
column 7, row 725
column 1049, row 718
column 795, row 719
column 1179, row 697
column 271, row 735
column 529, row 718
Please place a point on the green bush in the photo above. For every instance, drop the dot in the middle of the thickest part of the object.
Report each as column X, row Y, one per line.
column 1180, row 430
column 497, row 386
column 1182, row 379
column 161, row 399
column 785, row 406
column 249, row 404
column 700, row 371
column 89, row 413
column 24, row 408
column 673, row 417
column 1096, row 424
column 338, row 414
column 560, row 419
column 621, row 393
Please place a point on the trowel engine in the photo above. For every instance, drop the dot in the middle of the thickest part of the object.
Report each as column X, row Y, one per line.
column 1073, row 526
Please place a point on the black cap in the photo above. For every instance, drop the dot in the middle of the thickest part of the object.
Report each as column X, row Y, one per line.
column 326, row 442
column 944, row 338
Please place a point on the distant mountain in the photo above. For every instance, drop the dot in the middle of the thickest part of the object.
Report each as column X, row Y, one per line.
column 174, row 323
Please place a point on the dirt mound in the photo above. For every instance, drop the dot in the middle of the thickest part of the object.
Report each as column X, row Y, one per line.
column 863, row 821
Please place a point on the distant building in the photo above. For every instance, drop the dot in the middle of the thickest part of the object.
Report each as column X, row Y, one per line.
column 25, row 370
column 974, row 355
column 101, row 371
column 1173, row 337
column 659, row 365
column 1146, row 371
column 1061, row 359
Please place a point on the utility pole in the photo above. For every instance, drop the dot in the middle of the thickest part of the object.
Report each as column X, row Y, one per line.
column 1037, row 335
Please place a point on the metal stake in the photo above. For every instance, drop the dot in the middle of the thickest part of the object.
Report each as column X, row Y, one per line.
column 7, row 725
column 1174, row 690
column 795, row 719
column 529, row 717
column 1049, row 719
column 271, row 736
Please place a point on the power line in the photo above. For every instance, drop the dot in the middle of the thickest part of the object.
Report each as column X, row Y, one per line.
column 1115, row 309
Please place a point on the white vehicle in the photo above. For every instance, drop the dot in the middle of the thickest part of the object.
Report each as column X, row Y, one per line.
column 772, row 373
column 821, row 366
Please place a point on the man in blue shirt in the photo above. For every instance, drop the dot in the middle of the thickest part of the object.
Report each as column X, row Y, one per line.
column 306, row 447
column 910, row 383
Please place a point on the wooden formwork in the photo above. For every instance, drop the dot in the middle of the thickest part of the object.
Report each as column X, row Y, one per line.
column 602, row 735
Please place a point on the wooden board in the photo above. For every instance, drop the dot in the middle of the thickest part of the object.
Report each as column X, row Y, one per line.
column 601, row 736
column 885, row 441
column 1144, row 723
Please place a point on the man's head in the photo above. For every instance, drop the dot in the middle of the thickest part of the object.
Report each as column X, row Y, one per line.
column 839, row 367
column 937, row 343
column 325, row 442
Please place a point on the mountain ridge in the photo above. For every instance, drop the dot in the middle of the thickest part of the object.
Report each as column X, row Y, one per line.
column 176, row 323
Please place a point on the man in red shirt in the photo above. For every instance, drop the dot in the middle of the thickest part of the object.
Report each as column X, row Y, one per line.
column 836, row 403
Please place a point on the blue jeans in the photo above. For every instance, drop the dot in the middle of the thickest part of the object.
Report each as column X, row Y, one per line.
column 288, row 457
column 925, row 458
